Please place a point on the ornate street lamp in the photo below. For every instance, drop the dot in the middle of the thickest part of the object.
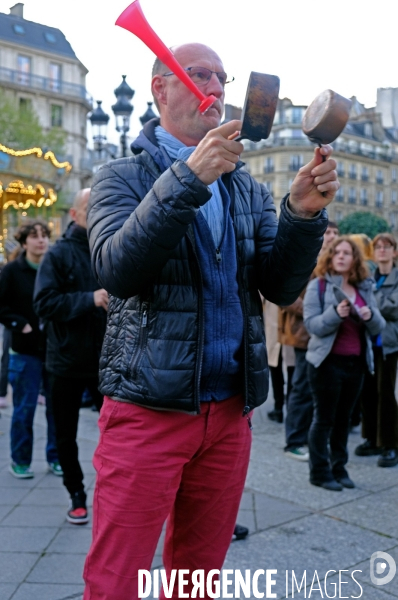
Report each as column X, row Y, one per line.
column 99, row 121
column 122, row 111
column 148, row 114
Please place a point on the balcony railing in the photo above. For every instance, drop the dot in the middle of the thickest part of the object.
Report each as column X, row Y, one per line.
column 36, row 82
column 304, row 142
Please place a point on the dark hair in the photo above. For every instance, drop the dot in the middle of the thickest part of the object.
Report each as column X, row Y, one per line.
column 358, row 271
column 333, row 225
column 28, row 227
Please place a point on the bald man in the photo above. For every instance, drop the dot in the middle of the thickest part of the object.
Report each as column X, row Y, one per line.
column 183, row 238
column 73, row 309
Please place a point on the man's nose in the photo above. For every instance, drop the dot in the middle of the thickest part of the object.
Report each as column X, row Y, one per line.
column 214, row 86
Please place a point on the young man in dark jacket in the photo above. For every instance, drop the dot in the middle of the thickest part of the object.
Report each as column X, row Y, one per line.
column 182, row 239
column 68, row 299
column 25, row 368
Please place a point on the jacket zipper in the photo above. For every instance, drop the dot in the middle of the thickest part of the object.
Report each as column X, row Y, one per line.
column 247, row 408
column 201, row 326
column 143, row 335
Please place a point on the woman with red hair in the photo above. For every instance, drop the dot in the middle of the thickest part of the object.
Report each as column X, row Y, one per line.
column 341, row 315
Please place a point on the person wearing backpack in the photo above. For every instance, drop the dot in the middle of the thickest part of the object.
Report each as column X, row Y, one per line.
column 341, row 315
column 67, row 298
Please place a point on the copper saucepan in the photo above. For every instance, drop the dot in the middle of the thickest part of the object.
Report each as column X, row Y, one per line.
column 326, row 117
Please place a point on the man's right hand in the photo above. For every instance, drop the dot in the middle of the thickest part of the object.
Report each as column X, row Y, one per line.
column 27, row 328
column 216, row 154
column 101, row 299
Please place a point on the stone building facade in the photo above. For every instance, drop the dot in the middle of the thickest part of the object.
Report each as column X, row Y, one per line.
column 39, row 67
column 366, row 153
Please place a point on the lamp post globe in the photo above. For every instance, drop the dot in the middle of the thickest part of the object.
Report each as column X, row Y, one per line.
column 99, row 121
column 122, row 111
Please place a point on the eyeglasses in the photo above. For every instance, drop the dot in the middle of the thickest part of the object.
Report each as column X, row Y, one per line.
column 201, row 75
column 387, row 247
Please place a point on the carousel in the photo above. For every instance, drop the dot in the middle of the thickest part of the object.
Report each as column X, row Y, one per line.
column 30, row 182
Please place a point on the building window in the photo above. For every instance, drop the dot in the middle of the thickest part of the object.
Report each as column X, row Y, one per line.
column 379, row 199
column 393, row 196
column 365, row 174
column 353, row 171
column 368, row 129
column 296, row 162
column 379, row 176
column 269, row 165
column 50, row 37
column 352, row 196
column 270, row 186
column 339, row 215
column 340, row 194
column 297, row 114
column 18, row 29
column 56, row 115
column 394, row 174
column 340, row 169
column 364, row 197
column 55, row 77
column 24, row 69
column 25, row 104
column 393, row 220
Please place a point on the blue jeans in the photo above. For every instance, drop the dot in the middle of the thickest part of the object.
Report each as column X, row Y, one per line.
column 25, row 375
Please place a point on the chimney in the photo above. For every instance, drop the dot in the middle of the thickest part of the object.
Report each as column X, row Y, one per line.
column 17, row 10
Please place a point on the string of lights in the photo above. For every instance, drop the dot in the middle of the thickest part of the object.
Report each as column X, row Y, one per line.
column 49, row 155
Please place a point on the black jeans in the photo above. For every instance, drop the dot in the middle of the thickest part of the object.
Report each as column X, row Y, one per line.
column 66, row 395
column 335, row 386
column 379, row 406
column 299, row 404
column 278, row 382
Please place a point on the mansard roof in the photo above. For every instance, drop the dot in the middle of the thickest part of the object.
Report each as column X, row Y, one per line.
column 34, row 35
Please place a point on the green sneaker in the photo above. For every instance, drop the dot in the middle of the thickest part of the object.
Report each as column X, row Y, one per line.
column 55, row 468
column 299, row 453
column 21, row 471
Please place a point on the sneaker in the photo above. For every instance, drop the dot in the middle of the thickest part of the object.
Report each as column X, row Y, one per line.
column 240, row 532
column 55, row 467
column 298, row 453
column 368, row 448
column 77, row 514
column 388, row 458
column 276, row 415
column 3, row 402
column 21, row 471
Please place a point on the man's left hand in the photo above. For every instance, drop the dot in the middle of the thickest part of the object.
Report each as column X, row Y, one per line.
column 315, row 185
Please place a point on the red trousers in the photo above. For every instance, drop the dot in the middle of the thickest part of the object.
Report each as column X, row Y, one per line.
column 157, row 464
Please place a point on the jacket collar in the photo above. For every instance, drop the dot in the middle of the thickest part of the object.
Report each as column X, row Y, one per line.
column 366, row 284
column 392, row 277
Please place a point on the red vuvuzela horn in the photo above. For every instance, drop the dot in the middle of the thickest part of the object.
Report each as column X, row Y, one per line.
column 133, row 20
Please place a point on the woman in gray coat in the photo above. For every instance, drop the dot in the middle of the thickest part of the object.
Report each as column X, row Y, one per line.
column 379, row 405
column 341, row 315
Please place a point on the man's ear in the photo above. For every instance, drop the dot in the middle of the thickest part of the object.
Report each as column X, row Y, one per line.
column 72, row 213
column 159, row 89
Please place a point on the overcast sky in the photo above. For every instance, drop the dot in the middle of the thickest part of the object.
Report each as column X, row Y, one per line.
column 349, row 46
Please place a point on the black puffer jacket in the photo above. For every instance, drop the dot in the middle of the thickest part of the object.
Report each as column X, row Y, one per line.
column 64, row 299
column 143, row 253
column 17, row 282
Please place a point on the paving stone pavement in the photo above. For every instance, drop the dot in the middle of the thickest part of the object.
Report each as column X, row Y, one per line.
column 295, row 528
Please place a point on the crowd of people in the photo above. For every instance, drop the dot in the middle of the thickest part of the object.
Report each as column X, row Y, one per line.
column 151, row 301
column 344, row 331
